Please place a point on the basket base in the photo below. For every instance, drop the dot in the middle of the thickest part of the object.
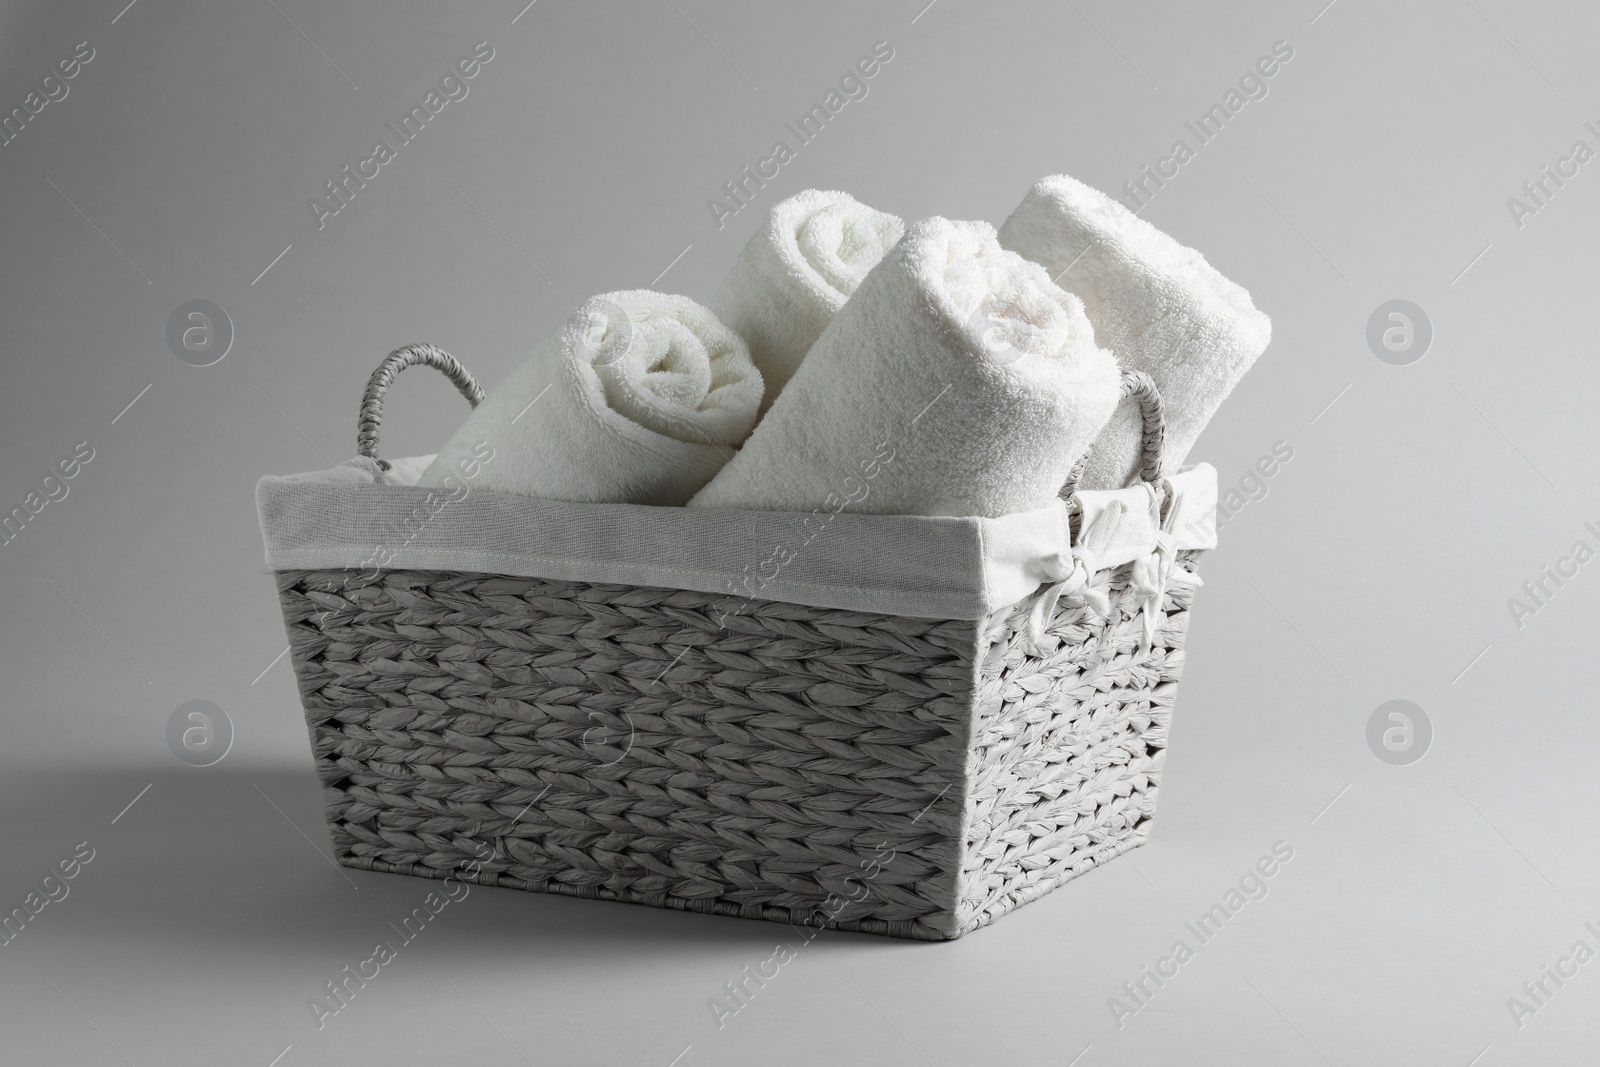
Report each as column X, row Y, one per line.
column 1083, row 863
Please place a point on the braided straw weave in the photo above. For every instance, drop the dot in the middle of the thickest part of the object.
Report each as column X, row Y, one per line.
column 911, row 777
column 899, row 776
column 378, row 384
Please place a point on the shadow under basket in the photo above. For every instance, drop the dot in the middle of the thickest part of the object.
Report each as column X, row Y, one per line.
column 916, row 774
column 911, row 777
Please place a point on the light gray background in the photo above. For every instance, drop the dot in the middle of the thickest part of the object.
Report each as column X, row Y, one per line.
column 1378, row 567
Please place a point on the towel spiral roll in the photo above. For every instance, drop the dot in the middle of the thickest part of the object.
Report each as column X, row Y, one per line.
column 796, row 272
column 957, row 381
column 639, row 397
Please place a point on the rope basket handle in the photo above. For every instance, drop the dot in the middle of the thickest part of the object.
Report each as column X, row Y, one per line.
column 1142, row 388
column 384, row 376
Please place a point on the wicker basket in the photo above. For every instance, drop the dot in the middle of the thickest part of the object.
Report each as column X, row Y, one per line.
column 904, row 776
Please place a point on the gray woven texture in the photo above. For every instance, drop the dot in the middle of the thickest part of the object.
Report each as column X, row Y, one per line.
column 910, row 777
column 378, row 384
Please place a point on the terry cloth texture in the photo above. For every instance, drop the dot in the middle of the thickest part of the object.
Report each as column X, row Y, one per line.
column 1157, row 305
column 796, row 273
column 958, row 380
column 638, row 398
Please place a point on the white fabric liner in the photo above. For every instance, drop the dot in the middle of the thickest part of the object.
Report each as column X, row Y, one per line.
column 355, row 517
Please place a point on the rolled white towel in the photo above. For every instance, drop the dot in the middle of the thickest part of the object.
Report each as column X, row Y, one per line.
column 638, row 398
column 795, row 274
column 956, row 381
column 1160, row 308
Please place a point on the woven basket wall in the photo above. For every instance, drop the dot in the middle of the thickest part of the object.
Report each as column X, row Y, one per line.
column 871, row 772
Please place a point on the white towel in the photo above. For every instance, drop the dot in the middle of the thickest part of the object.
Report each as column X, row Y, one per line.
column 956, row 381
column 1157, row 305
column 639, row 398
column 795, row 274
